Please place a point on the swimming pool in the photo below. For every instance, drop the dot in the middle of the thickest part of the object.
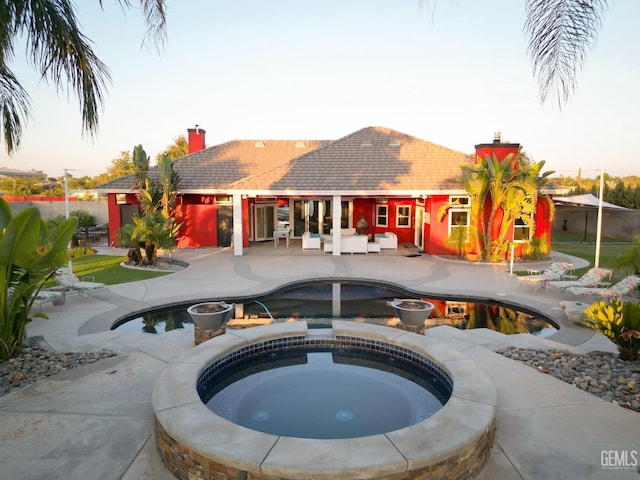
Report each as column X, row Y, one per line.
column 325, row 392
column 320, row 301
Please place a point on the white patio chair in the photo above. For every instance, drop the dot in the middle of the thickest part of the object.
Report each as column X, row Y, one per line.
column 68, row 280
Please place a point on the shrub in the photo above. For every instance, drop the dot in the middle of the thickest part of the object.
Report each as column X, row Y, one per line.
column 30, row 253
column 536, row 249
column 85, row 219
column 55, row 221
column 619, row 322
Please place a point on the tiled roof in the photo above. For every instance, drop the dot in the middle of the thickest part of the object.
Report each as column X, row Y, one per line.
column 220, row 166
column 371, row 159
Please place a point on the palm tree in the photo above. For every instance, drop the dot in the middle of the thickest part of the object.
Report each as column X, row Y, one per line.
column 169, row 180
column 477, row 186
column 61, row 53
column 531, row 181
column 501, row 176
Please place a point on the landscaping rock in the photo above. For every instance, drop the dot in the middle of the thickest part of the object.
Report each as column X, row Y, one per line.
column 600, row 373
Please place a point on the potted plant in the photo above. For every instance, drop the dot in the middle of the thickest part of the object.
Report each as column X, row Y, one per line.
column 210, row 315
column 411, row 311
column 619, row 322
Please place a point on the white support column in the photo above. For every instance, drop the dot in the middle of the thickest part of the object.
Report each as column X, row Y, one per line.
column 237, row 224
column 336, row 302
column 335, row 213
column 599, row 224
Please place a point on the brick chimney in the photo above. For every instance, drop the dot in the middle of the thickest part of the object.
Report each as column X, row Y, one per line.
column 196, row 139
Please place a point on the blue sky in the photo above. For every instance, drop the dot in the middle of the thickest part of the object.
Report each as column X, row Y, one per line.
column 256, row 69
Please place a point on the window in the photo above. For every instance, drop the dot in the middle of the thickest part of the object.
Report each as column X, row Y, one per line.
column 345, row 213
column 522, row 227
column 458, row 213
column 382, row 216
column 403, row 216
column 461, row 200
column 458, row 219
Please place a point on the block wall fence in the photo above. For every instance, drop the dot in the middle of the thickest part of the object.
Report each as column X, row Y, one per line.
column 49, row 209
column 619, row 224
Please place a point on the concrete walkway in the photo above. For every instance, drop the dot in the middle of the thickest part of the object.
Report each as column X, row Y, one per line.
column 96, row 421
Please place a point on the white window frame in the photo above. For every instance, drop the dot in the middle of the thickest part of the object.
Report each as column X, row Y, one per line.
column 462, row 200
column 398, row 216
column 523, row 227
column 452, row 224
column 380, row 216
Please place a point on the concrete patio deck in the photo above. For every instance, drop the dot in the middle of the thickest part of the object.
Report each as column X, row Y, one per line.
column 96, row 421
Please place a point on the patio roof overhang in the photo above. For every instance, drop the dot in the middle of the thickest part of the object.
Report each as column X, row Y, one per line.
column 323, row 193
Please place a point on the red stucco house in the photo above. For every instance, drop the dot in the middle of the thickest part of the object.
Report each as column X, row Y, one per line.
column 376, row 180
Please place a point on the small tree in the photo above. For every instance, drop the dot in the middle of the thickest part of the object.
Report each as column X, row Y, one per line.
column 179, row 148
column 30, row 254
column 154, row 227
column 148, row 232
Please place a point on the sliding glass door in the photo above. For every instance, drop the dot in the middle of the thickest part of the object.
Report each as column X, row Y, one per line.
column 314, row 215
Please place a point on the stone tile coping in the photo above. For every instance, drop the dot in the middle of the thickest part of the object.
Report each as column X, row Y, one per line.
column 187, row 428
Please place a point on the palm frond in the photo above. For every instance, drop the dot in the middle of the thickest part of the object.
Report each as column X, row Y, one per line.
column 155, row 16
column 14, row 108
column 560, row 32
column 62, row 54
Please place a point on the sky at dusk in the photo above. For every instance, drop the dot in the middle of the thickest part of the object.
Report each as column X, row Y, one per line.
column 291, row 69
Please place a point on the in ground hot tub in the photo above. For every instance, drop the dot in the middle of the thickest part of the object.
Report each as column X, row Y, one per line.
column 452, row 441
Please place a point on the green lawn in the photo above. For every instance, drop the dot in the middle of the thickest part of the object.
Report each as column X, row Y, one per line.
column 107, row 269
column 579, row 237
column 587, row 251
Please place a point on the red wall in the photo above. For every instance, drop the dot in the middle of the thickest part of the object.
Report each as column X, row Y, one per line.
column 199, row 228
column 543, row 221
column 367, row 207
column 113, row 209
column 114, row 217
column 36, row 198
column 245, row 222
column 437, row 231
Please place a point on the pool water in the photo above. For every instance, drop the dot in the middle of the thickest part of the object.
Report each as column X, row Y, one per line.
column 324, row 394
column 158, row 322
column 316, row 301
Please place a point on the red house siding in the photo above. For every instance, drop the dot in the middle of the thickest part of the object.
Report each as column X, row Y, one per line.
column 199, row 216
column 115, row 217
column 438, row 231
column 367, row 207
column 199, row 225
